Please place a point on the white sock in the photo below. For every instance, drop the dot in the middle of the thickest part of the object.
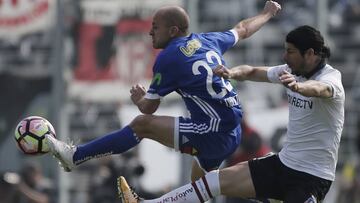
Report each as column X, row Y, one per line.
column 201, row 190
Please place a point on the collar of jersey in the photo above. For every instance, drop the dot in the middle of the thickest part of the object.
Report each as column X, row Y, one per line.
column 320, row 66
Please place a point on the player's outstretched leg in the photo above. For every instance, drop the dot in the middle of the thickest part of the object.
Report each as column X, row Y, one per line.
column 112, row 143
column 199, row 191
column 126, row 194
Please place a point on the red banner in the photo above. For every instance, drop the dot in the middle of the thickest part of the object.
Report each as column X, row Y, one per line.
column 18, row 18
column 121, row 52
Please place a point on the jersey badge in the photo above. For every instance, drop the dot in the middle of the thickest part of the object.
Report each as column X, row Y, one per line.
column 191, row 47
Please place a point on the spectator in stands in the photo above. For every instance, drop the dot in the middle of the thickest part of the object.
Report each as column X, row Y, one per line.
column 7, row 191
column 251, row 146
column 33, row 187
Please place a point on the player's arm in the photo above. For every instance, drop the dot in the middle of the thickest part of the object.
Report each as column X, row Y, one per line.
column 243, row 72
column 249, row 26
column 310, row 88
column 31, row 194
column 146, row 106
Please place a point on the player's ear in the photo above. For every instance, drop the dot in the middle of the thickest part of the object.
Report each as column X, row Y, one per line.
column 310, row 52
column 174, row 31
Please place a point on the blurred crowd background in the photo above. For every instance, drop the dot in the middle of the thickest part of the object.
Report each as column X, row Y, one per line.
column 73, row 62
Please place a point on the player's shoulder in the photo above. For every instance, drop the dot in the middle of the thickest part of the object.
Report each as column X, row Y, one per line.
column 329, row 70
column 330, row 75
column 181, row 48
column 221, row 36
column 216, row 34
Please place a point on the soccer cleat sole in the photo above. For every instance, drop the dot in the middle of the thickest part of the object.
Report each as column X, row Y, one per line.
column 62, row 163
column 122, row 185
column 119, row 189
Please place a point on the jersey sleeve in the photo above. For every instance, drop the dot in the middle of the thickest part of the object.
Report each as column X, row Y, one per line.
column 164, row 80
column 333, row 79
column 223, row 40
column 274, row 72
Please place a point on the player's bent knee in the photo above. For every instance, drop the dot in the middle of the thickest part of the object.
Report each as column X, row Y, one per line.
column 141, row 124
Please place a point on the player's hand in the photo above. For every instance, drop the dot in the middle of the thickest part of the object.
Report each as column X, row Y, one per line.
column 289, row 81
column 137, row 93
column 272, row 7
column 222, row 71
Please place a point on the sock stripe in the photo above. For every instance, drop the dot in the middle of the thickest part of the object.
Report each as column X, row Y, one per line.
column 197, row 192
column 207, row 187
column 138, row 139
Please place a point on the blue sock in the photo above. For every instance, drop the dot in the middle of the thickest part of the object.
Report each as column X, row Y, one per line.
column 114, row 143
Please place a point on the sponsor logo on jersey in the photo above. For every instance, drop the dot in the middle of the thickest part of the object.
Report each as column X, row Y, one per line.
column 191, row 47
column 157, row 79
column 300, row 103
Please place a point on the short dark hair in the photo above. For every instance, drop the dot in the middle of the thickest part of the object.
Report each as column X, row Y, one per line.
column 306, row 37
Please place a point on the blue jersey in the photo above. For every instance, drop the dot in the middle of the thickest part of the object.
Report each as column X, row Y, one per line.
column 185, row 66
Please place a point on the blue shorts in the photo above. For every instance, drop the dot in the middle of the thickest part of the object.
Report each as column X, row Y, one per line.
column 210, row 148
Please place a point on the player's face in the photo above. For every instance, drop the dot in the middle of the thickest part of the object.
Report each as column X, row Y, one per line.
column 160, row 32
column 294, row 59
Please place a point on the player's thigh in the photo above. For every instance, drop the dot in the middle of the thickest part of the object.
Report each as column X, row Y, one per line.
column 236, row 181
column 303, row 187
column 158, row 128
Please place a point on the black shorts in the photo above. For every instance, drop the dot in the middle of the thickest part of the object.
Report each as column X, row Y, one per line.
column 272, row 179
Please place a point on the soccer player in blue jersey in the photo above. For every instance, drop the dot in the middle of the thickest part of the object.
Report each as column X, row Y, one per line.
column 212, row 130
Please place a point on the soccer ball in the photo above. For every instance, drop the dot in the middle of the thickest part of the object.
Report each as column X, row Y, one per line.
column 30, row 135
